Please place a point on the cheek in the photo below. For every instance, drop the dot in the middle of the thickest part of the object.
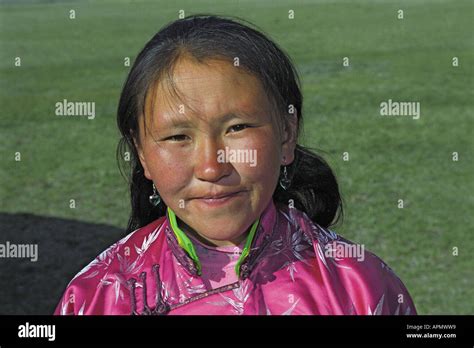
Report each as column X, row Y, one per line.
column 168, row 172
column 267, row 162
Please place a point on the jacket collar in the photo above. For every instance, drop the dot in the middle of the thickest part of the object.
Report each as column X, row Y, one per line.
column 259, row 235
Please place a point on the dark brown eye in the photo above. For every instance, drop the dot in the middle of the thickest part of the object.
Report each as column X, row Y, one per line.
column 239, row 127
column 178, row 137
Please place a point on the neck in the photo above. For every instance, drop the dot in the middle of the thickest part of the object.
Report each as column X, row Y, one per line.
column 209, row 241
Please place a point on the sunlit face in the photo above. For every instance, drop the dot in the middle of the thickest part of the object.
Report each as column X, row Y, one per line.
column 188, row 146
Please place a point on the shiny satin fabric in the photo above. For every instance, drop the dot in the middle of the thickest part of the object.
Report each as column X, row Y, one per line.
column 294, row 267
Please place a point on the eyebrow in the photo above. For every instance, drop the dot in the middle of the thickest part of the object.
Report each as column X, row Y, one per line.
column 185, row 123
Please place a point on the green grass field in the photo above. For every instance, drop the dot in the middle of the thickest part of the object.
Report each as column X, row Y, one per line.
column 391, row 158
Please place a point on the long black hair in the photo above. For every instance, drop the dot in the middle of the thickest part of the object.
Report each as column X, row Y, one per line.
column 314, row 189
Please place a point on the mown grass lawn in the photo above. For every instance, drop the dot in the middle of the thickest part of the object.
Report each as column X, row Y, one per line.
column 390, row 158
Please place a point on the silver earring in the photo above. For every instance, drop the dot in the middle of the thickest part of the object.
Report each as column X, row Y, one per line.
column 155, row 198
column 285, row 182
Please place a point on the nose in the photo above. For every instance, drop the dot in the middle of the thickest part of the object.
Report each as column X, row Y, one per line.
column 208, row 165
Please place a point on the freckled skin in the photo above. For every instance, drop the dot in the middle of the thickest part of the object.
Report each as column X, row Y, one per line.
column 187, row 166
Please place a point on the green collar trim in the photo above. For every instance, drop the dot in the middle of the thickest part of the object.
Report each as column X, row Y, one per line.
column 183, row 240
column 185, row 243
column 246, row 250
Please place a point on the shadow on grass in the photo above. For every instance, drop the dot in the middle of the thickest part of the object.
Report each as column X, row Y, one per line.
column 64, row 248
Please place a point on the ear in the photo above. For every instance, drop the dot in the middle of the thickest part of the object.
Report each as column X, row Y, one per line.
column 289, row 139
column 141, row 157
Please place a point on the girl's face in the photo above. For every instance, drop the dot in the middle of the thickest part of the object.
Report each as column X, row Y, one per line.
column 218, row 139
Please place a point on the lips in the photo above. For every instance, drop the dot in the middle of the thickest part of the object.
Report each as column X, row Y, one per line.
column 218, row 200
column 218, row 195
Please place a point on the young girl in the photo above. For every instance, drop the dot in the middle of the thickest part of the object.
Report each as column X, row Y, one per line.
column 229, row 214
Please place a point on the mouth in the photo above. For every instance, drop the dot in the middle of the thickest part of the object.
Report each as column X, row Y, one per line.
column 219, row 195
column 219, row 199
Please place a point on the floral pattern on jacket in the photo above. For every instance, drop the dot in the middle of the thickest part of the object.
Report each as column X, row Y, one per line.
column 289, row 271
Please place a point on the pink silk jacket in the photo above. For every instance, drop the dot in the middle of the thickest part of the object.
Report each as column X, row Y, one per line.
column 290, row 266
